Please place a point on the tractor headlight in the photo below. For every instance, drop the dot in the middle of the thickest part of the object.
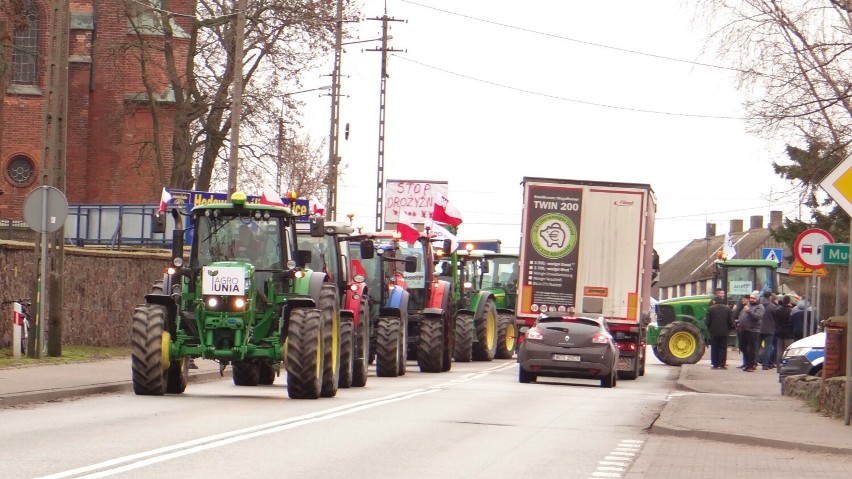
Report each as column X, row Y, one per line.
column 226, row 304
column 240, row 302
column 212, row 302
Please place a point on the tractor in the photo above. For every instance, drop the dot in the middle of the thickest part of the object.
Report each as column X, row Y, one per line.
column 680, row 335
column 244, row 299
column 330, row 254
column 501, row 280
column 476, row 312
column 389, row 299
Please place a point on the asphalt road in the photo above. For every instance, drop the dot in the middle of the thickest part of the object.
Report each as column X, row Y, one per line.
column 474, row 421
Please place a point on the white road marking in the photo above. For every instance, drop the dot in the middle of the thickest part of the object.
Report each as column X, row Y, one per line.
column 154, row 456
column 619, row 459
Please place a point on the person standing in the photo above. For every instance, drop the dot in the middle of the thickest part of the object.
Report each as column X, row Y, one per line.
column 720, row 321
column 739, row 329
column 783, row 329
column 750, row 318
column 767, row 332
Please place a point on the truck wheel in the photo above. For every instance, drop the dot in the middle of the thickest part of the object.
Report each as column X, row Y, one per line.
column 526, row 377
column 388, row 353
column 266, row 373
column 245, row 373
column 362, row 347
column 430, row 347
column 506, row 336
column 642, row 364
column 347, row 354
column 149, row 354
column 485, row 346
column 303, row 353
column 680, row 342
column 329, row 306
column 463, row 350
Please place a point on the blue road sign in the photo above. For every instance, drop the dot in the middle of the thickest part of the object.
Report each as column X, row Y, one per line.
column 774, row 254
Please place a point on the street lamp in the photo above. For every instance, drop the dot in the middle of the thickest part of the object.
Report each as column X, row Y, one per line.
column 281, row 132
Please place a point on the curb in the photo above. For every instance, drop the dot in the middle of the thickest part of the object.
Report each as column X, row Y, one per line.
column 49, row 395
column 737, row 438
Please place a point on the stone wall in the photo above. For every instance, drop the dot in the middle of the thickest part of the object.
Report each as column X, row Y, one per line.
column 807, row 388
column 100, row 289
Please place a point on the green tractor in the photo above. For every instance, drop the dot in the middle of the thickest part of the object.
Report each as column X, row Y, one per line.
column 243, row 299
column 680, row 335
column 485, row 293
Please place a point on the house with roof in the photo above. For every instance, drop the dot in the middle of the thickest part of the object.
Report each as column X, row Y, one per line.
column 690, row 270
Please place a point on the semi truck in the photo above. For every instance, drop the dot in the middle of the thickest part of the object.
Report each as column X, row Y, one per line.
column 586, row 249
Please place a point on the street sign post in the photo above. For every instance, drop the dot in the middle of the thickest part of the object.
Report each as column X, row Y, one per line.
column 838, row 185
column 835, row 253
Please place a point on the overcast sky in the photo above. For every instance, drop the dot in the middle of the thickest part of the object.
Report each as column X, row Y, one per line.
column 489, row 91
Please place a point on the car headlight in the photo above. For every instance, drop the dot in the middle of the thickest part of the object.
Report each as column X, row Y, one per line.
column 790, row 352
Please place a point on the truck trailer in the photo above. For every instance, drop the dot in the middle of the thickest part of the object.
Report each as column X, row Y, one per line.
column 586, row 249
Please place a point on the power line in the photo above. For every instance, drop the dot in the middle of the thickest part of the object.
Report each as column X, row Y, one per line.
column 572, row 100
column 569, row 39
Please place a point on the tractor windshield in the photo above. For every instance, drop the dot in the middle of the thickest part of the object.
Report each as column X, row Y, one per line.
column 502, row 272
column 416, row 281
column 742, row 280
column 323, row 257
column 229, row 238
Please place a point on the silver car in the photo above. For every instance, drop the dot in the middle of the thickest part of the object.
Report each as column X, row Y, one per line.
column 567, row 346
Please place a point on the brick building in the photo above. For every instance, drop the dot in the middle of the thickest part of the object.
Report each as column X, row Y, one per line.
column 109, row 125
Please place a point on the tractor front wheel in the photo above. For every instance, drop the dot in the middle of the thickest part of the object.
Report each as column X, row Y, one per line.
column 485, row 346
column 347, row 353
column 303, row 351
column 329, row 305
column 463, row 350
column 362, row 347
column 388, row 347
column 430, row 347
column 680, row 342
column 507, row 336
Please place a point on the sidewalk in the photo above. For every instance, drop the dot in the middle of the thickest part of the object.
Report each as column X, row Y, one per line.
column 747, row 408
column 59, row 381
column 730, row 405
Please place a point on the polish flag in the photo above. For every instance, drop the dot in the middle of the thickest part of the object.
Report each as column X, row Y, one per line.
column 164, row 200
column 270, row 197
column 408, row 232
column 317, row 207
column 445, row 212
column 443, row 233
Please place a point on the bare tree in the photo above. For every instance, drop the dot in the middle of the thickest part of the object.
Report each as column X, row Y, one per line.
column 794, row 58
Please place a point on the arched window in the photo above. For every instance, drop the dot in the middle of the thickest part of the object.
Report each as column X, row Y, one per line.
column 25, row 47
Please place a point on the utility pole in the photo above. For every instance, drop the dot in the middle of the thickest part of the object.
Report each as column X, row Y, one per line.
column 380, row 178
column 334, row 135
column 237, row 103
column 54, row 138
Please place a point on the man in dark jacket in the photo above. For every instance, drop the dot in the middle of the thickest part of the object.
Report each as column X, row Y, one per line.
column 783, row 329
column 750, row 318
column 767, row 331
column 720, row 320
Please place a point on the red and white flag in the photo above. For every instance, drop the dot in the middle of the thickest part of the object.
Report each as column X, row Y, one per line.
column 406, row 229
column 317, row 208
column 164, row 200
column 270, row 197
column 445, row 212
column 444, row 233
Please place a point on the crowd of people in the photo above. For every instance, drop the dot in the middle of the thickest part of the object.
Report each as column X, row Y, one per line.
column 765, row 326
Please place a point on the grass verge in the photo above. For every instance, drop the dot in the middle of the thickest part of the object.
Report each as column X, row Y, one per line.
column 70, row 354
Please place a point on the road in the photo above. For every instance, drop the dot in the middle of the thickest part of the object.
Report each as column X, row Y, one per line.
column 474, row 421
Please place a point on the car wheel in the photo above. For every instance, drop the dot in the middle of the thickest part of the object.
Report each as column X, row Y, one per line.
column 609, row 381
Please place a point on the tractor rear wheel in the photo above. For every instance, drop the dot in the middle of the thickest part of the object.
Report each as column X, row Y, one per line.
column 430, row 347
column 329, row 305
column 362, row 347
column 485, row 346
column 680, row 342
column 403, row 343
column 463, row 350
column 507, row 336
column 347, row 353
column 149, row 353
column 388, row 347
column 245, row 373
column 303, row 350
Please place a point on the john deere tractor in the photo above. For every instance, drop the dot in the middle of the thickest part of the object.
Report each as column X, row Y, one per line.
column 680, row 335
column 242, row 299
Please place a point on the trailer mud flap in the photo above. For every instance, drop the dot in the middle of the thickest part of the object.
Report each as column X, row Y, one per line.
column 625, row 363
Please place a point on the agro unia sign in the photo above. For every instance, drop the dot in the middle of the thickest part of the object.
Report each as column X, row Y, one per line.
column 412, row 196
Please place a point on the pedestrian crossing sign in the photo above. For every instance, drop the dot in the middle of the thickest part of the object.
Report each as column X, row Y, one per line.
column 774, row 254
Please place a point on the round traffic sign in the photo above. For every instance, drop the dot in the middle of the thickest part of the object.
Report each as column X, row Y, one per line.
column 808, row 247
column 45, row 209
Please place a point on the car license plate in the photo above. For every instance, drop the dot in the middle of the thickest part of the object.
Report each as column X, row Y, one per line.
column 566, row 357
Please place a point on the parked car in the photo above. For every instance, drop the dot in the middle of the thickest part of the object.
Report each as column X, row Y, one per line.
column 567, row 346
column 804, row 356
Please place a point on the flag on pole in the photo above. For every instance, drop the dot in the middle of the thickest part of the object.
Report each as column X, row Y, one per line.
column 728, row 247
column 444, row 233
column 406, row 229
column 165, row 197
column 270, row 197
column 317, row 208
column 445, row 212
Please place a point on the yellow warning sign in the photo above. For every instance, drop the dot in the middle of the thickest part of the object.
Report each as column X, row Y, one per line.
column 799, row 269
